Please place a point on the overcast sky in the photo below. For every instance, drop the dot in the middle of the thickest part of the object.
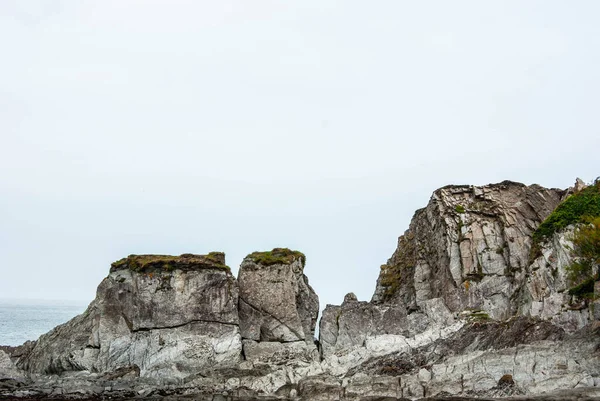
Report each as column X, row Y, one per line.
column 191, row 126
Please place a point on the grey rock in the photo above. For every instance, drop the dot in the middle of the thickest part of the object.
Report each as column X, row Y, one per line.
column 167, row 315
column 276, row 301
column 278, row 353
column 349, row 325
column 9, row 373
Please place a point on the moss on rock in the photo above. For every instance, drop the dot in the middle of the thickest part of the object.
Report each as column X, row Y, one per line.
column 584, row 290
column 283, row 256
column 391, row 275
column 187, row 261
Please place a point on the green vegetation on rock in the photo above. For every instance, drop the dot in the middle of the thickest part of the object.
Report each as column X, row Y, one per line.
column 586, row 254
column 391, row 276
column 459, row 209
column 188, row 261
column 585, row 289
column 283, row 256
column 577, row 208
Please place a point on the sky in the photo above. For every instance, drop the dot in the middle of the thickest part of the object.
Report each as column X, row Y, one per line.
column 168, row 127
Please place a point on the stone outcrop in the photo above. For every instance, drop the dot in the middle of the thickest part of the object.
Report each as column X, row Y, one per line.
column 468, row 258
column 166, row 315
column 471, row 303
column 469, row 247
column 278, row 308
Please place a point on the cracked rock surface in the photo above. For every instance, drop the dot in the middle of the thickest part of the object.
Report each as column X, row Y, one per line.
column 166, row 321
column 277, row 307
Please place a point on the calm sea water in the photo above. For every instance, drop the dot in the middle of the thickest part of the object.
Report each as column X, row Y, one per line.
column 27, row 320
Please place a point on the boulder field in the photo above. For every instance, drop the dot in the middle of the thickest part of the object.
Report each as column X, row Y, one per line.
column 479, row 300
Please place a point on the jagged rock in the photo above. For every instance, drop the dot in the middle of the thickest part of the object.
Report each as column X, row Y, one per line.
column 167, row 315
column 349, row 325
column 9, row 373
column 276, row 302
column 579, row 185
column 469, row 248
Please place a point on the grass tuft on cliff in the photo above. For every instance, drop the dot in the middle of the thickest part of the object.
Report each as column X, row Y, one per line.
column 283, row 256
column 187, row 261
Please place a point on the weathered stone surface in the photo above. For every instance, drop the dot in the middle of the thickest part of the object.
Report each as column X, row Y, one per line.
column 278, row 353
column 469, row 247
column 544, row 292
column 347, row 326
column 276, row 301
column 539, row 356
column 64, row 348
column 8, row 370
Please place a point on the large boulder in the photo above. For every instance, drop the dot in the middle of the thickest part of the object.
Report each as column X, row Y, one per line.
column 167, row 315
column 276, row 303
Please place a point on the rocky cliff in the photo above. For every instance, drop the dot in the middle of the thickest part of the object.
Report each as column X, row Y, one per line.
column 479, row 299
column 166, row 315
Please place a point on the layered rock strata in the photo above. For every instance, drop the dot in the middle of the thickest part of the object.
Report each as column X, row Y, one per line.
column 471, row 303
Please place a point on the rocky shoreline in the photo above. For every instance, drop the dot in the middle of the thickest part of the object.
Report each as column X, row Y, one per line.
column 471, row 305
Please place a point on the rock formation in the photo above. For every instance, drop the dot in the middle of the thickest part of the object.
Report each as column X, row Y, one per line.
column 478, row 299
column 278, row 308
column 169, row 316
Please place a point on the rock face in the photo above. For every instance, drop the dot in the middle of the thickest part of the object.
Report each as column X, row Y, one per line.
column 470, row 247
column 166, row 315
column 471, row 303
column 466, row 259
column 277, row 306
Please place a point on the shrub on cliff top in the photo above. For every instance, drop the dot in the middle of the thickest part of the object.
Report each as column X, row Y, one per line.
column 276, row 256
column 575, row 209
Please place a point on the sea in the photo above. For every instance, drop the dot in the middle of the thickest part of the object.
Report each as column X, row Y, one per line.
column 22, row 320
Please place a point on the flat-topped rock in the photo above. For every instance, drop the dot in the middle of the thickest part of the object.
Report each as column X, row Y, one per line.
column 167, row 315
column 276, row 301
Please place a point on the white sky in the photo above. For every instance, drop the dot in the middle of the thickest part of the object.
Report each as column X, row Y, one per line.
column 191, row 126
